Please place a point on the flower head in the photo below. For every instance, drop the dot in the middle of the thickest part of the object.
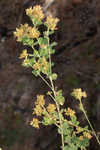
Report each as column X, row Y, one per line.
column 87, row 134
column 35, row 123
column 36, row 12
column 78, row 94
column 79, row 129
column 51, row 22
column 69, row 112
column 21, row 32
column 51, row 108
column 23, row 54
column 37, row 66
column 40, row 100
column 34, row 33
column 38, row 110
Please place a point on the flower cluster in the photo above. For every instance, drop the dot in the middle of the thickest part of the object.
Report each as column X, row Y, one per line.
column 69, row 112
column 78, row 94
column 35, row 123
column 41, row 65
column 39, row 105
column 36, row 12
column 25, row 31
column 51, row 108
column 24, row 54
column 51, row 22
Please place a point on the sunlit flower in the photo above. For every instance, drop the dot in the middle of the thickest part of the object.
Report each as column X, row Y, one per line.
column 34, row 33
column 35, row 123
column 51, row 108
column 87, row 134
column 38, row 110
column 69, row 112
column 79, row 129
column 23, row 54
column 78, row 94
column 40, row 100
column 36, row 12
column 21, row 32
column 51, row 22
column 37, row 66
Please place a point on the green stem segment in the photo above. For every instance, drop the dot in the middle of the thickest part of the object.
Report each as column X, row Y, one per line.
column 82, row 108
column 54, row 92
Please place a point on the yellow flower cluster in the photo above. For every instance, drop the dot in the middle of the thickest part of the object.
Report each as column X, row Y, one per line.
column 39, row 104
column 26, row 31
column 41, row 63
column 51, row 22
column 87, row 134
column 69, row 112
column 40, row 100
column 78, row 94
column 51, row 108
column 23, row 54
column 33, row 32
column 35, row 123
column 36, row 12
column 37, row 66
column 38, row 110
column 79, row 129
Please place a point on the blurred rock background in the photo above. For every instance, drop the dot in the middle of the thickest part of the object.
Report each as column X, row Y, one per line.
column 77, row 62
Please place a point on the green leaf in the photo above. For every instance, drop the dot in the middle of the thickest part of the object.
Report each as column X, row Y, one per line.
column 47, row 121
column 35, row 21
column 67, row 139
column 74, row 120
column 32, row 61
column 36, row 53
column 53, row 44
column 79, row 142
column 66, row 129
column 27, row 41
column 71, row 147
column 84, row 142
column 44, row 52
column 35, row 72
column 43, row 41
column 54, row 76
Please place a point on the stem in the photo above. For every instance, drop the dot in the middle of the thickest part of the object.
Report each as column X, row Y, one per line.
column 82, row 108
column 45, row 81
column 53, row 89
column 58, row 109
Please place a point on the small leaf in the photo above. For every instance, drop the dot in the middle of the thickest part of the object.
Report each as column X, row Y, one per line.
column 43, row 41
column 54, row 76
column 53, row 44
column 74, row 120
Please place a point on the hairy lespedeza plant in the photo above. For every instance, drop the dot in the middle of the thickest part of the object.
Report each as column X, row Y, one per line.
column 73, row 136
